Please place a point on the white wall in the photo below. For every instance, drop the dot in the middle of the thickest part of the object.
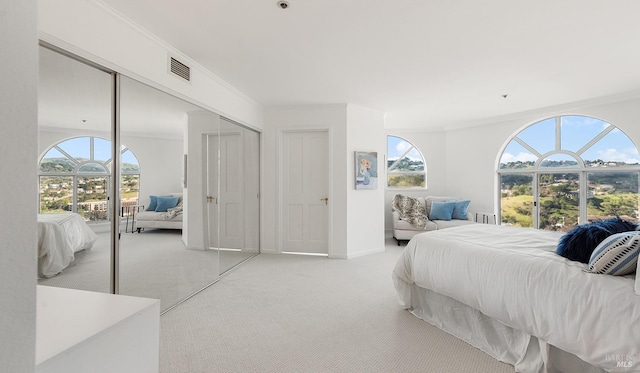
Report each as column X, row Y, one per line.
column 160, row 164
column 332, row 118
column 365, row 208
column 432, row 145
column 93, row 31
column 18, row 118
column 357, row 217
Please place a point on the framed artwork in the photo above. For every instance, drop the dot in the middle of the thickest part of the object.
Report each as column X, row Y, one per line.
column 366, row 170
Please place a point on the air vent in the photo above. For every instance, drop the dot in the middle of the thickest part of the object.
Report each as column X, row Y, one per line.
column 180, row 69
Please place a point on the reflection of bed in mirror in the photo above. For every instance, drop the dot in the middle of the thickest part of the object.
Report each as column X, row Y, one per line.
column 60, row 236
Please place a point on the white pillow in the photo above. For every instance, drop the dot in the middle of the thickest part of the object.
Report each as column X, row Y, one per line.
column 616, row 254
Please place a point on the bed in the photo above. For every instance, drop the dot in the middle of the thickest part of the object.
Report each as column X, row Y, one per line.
column 505, row 291
column 60, row 236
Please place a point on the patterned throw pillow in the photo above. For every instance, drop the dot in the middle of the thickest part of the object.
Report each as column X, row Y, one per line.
column 616, row 254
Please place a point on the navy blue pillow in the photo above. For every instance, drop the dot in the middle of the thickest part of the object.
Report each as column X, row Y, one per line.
column 579, row 243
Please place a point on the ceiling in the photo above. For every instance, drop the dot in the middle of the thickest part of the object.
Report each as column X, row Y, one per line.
column 425, row 63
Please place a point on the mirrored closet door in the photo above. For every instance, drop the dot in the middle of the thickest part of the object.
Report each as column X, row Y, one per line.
column 237, row 227
column 120, row 211
column 75, row 171
column 154, row 260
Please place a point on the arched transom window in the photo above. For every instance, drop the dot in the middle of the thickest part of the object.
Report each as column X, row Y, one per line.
column 74, row 177
column 568, row 170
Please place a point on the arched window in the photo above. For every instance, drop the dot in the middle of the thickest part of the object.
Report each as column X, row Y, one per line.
column 568, row 170
column 75, row 176
column 405, row 164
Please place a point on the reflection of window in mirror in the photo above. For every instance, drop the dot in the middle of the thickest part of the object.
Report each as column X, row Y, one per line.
column 75, row 173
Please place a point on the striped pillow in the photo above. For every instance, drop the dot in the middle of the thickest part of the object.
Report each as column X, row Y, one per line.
column 617, row 254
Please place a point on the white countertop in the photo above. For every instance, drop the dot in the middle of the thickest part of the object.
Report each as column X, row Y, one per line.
column 67, row 317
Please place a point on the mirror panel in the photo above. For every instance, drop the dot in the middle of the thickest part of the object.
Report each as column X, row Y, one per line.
column 154, row 261
column 238, row 199
column 163, row 259
column 74, row 173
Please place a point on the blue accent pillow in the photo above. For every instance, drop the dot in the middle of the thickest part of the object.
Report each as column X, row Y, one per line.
column 578, row 244
column 441, row 210
column 460, row 210
column 153, row 203
column 165, row 203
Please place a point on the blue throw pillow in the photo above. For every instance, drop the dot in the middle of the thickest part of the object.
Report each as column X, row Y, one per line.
column 460, row 210
column 441, row 210
column 165, row 203
column 578, row 244
column 153, row 203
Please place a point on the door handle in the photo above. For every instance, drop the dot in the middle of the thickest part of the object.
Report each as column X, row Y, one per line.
column 325, row 199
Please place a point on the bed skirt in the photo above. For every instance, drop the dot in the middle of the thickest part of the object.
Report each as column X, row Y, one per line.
column 525, row 352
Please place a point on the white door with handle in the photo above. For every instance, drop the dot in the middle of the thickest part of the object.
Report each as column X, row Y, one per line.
column 305, row 187
column 224, row 195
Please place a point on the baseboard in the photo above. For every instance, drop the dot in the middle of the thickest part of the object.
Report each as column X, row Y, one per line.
column 363, row 253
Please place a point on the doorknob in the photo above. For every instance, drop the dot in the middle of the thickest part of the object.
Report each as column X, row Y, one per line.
column 325, row 199
column 210, row 199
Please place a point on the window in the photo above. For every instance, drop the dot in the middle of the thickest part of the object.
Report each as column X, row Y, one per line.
column 563, row 171
column 405, row 164
column 74, row 177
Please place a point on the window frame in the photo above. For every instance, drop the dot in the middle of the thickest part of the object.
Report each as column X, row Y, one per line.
column 75, row 175
column 582, row 169
column 389, row 171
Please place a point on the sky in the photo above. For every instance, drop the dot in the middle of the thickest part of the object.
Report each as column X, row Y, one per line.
column 80, row 147
column 396, row 147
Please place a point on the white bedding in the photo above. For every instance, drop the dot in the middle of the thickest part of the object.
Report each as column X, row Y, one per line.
column 514, row 276
column 60, row 236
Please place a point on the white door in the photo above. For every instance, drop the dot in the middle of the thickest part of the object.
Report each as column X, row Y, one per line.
column 225, row 203
column 305, row 186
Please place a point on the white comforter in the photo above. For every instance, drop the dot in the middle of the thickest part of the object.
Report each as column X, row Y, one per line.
column 59, row 237
column 514, row 276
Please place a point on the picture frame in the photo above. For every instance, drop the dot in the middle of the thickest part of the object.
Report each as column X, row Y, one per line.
column 366, row 170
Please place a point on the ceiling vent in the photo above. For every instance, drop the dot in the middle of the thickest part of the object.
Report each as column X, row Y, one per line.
column 179, row 69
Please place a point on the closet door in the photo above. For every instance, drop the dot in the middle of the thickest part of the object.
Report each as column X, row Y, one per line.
column 236, row 226
column 154, row 261
column 75, row 173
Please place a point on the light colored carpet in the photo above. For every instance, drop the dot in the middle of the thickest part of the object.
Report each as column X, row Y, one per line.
column 289, row 313
column 153, row 264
